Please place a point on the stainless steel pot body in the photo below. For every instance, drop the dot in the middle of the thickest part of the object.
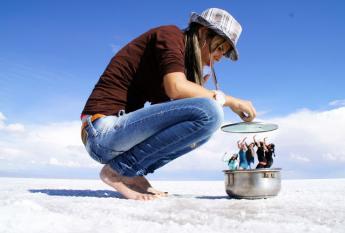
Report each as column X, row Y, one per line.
column 253, row 183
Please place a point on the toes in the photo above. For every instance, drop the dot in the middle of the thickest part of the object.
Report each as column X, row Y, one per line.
column 146, row 197
column 163, row 194
column 156, row 192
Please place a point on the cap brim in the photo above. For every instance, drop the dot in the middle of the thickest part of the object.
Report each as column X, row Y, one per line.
column 232, row 54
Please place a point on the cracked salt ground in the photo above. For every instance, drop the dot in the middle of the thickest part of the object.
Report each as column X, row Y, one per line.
column 46, row 205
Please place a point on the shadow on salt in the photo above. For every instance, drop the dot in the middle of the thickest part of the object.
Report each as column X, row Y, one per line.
column 78, row 193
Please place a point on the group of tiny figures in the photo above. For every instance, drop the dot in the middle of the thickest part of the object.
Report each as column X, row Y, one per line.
column 245, row 157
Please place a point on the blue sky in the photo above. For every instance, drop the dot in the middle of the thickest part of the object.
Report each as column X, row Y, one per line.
column 53, row 52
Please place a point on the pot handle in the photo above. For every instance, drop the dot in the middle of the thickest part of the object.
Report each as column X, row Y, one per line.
column 269, row 175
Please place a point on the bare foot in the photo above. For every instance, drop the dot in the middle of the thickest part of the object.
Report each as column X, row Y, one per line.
column 145, row 186
column 127, row 186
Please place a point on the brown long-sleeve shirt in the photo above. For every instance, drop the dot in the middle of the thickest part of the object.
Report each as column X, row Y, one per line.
column 135, row 74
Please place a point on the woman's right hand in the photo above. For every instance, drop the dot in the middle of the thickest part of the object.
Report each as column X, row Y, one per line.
column 243, row 108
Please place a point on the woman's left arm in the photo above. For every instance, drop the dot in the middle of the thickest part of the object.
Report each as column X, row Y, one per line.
column 177, row 86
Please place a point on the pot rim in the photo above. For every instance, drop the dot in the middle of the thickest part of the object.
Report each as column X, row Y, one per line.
column 259, row 170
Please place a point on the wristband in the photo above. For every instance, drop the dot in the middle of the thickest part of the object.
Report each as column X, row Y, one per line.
column 219, row 96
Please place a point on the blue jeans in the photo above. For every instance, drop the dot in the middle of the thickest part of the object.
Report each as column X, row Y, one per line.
column 139, row 142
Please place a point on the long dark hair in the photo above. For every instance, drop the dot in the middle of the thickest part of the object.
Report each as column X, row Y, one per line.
column 193, row 62
column 272, row 149
column 249, row 155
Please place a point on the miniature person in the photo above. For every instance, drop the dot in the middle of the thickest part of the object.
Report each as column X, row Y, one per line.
column 260, row 152
column 164, row 67
column 269, row 153
column 242, row 154
column 250, row 154
column 233, row 162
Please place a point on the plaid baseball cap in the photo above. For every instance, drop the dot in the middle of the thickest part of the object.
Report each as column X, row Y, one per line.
column 223, row 24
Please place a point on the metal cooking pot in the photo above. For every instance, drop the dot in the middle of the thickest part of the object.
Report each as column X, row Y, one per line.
column 253, row 183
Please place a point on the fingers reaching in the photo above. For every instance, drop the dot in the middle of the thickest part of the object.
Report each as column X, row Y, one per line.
column 244, row 109
column 248, row 112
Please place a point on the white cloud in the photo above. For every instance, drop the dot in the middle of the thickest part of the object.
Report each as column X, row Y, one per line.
column 11, row 128
column 51, row 144
column 305, row 140
column 262, row 113
column 2, row 121
column 9, row 152
column 15, row 128
column 313, row 134
column 2, row 117
column 56, row 162
column 337, row 103
column 300, row 158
